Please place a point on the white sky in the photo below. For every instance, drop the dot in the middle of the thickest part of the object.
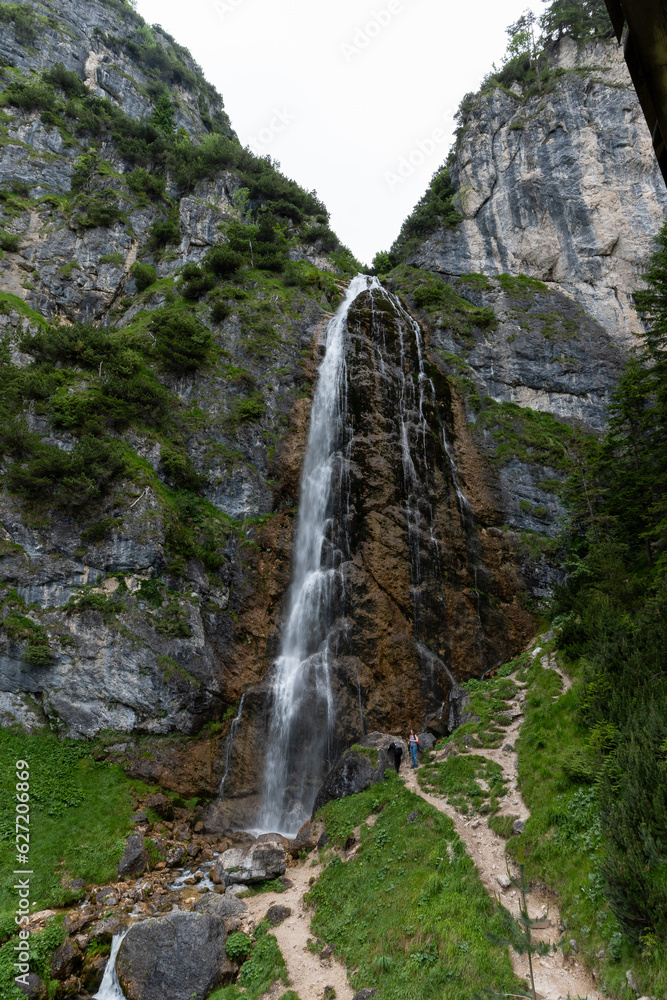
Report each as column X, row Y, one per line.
column 340, row 93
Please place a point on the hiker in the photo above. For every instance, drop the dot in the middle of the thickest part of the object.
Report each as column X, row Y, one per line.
column 397, row 750
column 413, row 743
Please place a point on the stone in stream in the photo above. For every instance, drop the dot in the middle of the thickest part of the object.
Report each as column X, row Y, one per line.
column 262, row 860
column 178, row 957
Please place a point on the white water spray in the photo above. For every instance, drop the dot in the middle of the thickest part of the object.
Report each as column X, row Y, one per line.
column 302, row 707
column 110, row 987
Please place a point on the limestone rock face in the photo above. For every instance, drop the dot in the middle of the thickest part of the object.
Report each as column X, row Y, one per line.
column 181, row 956
column 563, row 187
column 256, row 863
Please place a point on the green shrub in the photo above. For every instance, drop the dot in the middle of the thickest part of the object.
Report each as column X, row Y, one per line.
column 144, row 275
column 9, row 242
column 196, row 282
column 238, row 946
column 68, row 81
column 223, row 261
column 68, row 480
column 247, row 410
column 181, row 342
column 149, row 186
column 162, row 233
column 27, row 24
column 97, row 209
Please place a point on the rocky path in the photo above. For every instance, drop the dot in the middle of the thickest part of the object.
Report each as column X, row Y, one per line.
column 309, row 974
column 556, row 976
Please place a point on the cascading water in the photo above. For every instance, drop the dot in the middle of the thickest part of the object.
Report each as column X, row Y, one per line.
column 110, row 987
column 302, row 709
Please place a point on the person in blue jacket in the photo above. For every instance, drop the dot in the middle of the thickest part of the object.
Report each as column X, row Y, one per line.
column 413, row 743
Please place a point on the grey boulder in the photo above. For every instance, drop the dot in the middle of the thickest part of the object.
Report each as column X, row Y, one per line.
column 260, row 861
column 135, row 858
column 232, row 911
column 181, row 957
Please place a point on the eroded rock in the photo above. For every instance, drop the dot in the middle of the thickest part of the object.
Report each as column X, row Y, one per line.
column 180, row 956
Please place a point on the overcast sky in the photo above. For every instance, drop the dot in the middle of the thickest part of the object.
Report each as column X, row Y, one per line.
column 344, row 94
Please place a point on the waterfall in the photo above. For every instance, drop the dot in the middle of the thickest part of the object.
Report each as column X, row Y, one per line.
column 302, row 708
column 229, row 746
column 110, row 987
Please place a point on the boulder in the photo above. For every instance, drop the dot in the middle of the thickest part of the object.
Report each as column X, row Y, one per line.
column 232, row 911
column 105, row 930
column 277, row 913
column 305, row 840
column 66, row 959
column 180, row 957
column 426, row 741
column 518, row 826
column 175, row 856
column 260, row 861
column 357, row 769
column 135, row 858
column 161, row 804
column 34, row 989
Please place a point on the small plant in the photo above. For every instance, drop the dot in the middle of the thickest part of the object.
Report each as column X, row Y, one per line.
column 238, row 947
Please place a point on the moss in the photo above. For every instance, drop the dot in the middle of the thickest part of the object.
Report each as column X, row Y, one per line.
column 370, row 752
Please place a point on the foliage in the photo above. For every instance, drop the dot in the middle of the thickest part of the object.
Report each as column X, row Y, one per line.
column 26, row 22
column 435, row 210
column 76, row 838
column 144, row 275
column 238, row 946
column 456, row 778
column 181, row 342
column 259, row 972
column 408, row 912
column 9, row 242
column 580, row 19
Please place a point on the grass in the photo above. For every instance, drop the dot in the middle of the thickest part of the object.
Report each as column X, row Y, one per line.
column 264, row 967
column 508, row 431
column 79, row 816
column 408, row 913
column 487, row 708
column 458, row 778
column 272, row 885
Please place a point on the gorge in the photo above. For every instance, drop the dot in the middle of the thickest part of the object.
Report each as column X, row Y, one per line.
column 262, row 512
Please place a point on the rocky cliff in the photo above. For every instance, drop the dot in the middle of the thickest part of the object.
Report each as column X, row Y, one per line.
column 560, row 185
column 164, row 297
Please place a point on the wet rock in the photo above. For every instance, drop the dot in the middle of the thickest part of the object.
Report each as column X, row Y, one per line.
column 107, row 896
column 66, row 959
column 104, row 930
column 180, row 956
column 92, row 973
column 256, row 863
column 135, row 858
column 175, row 857
column 277, row 913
